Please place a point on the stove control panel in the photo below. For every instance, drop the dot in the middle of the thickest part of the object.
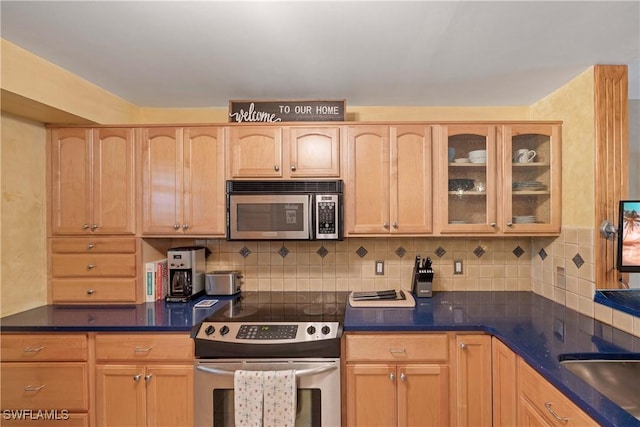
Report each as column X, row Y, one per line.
column 268, row 333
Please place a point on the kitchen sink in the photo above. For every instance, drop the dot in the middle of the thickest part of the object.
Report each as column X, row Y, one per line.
column 615, row 376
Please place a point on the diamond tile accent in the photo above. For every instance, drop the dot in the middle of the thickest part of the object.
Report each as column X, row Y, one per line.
column 478, row 251
column 518, row 251
column 440, row 251
column 323, row 252
column 245, row 252
column 542, row 254
column 401, row 252
column 283, row 251
column 362, row 252
column 578, row 261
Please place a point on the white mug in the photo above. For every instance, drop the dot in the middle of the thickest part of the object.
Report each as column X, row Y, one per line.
column 523, row 156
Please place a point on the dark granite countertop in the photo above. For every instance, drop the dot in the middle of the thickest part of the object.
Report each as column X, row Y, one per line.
column 626, row 300
column 537, row 329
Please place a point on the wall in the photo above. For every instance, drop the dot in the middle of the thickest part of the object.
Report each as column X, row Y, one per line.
column 23, row 273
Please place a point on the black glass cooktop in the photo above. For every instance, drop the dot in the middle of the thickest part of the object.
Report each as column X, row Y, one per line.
column 283, row 307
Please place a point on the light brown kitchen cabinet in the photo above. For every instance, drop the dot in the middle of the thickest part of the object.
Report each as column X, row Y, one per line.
column 397, row 380
column 94, row 269
column 541, row 404
column 183, row 181
column 504, row 380
column 294, row 152
column 473, row 380
column 497, row 193
column 42, row 372
column 92, row 181
column 389, row 180
column 144, row 379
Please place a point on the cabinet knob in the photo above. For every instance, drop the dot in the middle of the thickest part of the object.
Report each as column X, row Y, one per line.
column 94, row 227
column 276, row 168
column 463, row 346
column 85, row 227
column 147, row 377
column 90, row 291
column 392, row 376
column 385, row 225
column 91, row 246
column 185, row 226
column 176, row 226
column 395, row 225
column 509, row 224
column 137, row 377
column 403, row 377
column 293, row 168
column 493, row 224
column 91, row 266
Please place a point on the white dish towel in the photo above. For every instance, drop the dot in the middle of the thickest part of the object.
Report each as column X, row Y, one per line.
column 265, row 398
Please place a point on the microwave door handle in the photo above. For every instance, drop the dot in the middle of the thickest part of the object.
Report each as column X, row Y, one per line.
column 299, row 373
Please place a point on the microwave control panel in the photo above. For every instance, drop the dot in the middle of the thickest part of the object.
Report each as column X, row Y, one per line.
column 326, row 216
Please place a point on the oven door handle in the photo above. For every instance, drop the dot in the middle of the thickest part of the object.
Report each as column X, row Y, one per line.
column 298, row 372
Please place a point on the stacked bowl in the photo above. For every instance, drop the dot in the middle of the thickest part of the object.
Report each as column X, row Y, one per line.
column 478, row 156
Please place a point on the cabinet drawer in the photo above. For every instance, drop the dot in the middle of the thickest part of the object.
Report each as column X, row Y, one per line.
column 144, row 347
column 397, row 347
column 45, row 386
column 93, row 245
column 93, row 265
column 93, row 290
column 65, row 419
column 41, row 347
column 538, row 392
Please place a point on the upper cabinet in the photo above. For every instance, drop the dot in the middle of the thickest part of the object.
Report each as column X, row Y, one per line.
column 388, row 177
column 499, row 179
column 183, row 181
column 274, row 152
column 92, row 181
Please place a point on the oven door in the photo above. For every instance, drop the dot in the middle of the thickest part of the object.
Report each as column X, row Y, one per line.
column 318, row 402
column 273, row 216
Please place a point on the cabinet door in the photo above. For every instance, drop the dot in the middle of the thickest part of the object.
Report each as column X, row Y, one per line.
column 371, row 395
column 532, row 180
column 411, row 187
column 367, row 204
column 161, row 180
column 423, row 395
column 204, row 194
column 314, row 152
column 120, row 395
column 473, row 400
column 505, row 397
column 255, row 152
column 113, row 181
column 70, row 181
column 468, row 183
column 169, row 395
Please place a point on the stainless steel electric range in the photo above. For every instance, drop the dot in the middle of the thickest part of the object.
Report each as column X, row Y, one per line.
column 270, row 331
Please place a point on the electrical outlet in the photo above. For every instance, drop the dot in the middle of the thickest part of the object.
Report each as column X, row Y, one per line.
column 379, row 268
column 457, row 266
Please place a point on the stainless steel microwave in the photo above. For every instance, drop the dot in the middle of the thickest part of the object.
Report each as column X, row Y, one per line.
column 284, row 210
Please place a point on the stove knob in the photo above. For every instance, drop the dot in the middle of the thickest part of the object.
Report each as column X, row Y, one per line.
column 224, row 330
column 311, row 330
column 209, row 330
column 326, row 330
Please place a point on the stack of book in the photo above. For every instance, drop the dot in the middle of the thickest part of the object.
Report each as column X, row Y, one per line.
column 156, row 280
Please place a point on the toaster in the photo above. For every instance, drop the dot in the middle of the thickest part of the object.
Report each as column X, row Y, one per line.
column 223, row 282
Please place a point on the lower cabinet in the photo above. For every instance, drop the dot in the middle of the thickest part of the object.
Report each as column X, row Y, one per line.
column 144, row 380
column 505, row 397
column 473, row 380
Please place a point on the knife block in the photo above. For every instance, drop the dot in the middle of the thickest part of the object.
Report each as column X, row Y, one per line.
column 422, row 282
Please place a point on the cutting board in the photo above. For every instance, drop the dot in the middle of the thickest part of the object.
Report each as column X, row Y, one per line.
column 408, row 302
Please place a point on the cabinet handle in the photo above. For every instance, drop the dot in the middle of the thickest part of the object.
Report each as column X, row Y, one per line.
column 90, row 291
column 394, row 225
column 463, row 346
column 91, row 246
column 509, row 224
column 276, row 168
column 85, row 227
column 142, row 349
column 403, row 377
column 185, row 226
column 176, row 226
column 293, row 168
column 397, row 350
column 137, row 377
column 385, row 225
column 32, row 388
column 555, row 415
column 29, row 349
column 147, row 377
column 94, row 227
column 392, row 376
column 493, row 224
column 91, row 266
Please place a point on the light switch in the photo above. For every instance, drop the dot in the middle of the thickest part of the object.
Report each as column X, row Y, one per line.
column 457, row 266
column 379, row 268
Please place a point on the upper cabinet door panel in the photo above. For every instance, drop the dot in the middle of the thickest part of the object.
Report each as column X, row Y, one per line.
column 71, row 181
column 314, row 152
column 114, row 181
column 255, row 152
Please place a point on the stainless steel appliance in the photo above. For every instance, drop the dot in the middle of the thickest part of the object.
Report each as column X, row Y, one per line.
column 223, row 283
column 270, row 331
column 281, row 210
column 187, row 265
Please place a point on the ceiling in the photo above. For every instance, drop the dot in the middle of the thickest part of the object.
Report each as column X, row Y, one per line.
column 417, row 53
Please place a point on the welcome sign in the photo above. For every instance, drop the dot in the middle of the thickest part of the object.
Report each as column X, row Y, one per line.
column 287, row 111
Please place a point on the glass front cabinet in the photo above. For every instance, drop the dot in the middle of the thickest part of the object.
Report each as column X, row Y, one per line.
column 499, row 179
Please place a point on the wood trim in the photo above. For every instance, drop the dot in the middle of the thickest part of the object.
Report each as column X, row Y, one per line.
column 611, row 121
